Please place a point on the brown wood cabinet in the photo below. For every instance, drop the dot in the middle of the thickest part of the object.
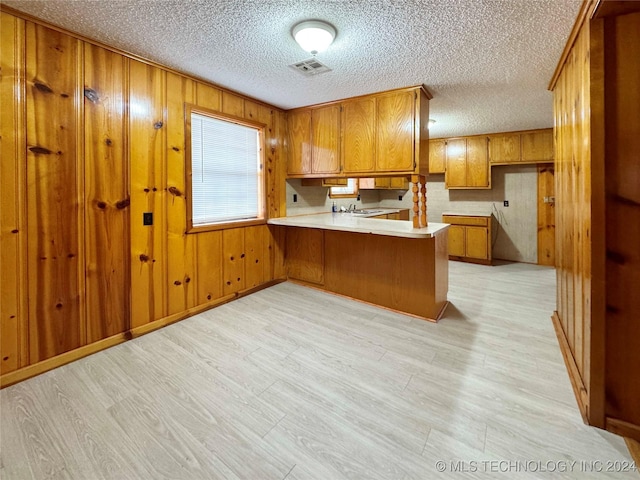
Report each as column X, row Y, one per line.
column 314, row 141
column 437, row 155
column 395, row 135
column 380, row 133
column 469, row 238
column 359, row 135
column 535, row 146
column 383, row 183
column 467, row 163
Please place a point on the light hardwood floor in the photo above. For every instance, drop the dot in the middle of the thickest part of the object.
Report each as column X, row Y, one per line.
column 295, row 383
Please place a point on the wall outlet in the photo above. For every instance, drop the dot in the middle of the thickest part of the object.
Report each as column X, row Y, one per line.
column 400, row 197
column 295, row 197
column 506, row 203
column 147, row 218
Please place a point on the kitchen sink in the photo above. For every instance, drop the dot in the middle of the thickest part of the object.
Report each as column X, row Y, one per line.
column 365, row 212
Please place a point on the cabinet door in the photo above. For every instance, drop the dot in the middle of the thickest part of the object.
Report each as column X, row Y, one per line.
column 299, row 125
column 456, row 172
column 504, row 148
column 477, row 162
column 395, row 132
column 476, row 242
column 358, row 135
column 325, row 137
column 537, row 146
column 437, row 155
column 382, row 182
column 398, row 183
column 456, row 241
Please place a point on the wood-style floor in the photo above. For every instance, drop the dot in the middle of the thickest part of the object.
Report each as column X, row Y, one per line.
column 294, row 383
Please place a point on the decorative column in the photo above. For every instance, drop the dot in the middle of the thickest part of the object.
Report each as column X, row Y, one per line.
column 419, row 189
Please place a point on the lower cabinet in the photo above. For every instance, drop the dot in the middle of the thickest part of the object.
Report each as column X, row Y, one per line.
column 469, row 238
column 305, row 254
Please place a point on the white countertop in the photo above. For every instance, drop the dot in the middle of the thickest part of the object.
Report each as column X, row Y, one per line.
column 347, row 222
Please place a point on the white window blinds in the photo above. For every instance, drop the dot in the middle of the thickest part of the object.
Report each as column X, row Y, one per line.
column 225, row 171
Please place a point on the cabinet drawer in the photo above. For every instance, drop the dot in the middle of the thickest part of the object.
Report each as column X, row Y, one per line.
column 460, row 220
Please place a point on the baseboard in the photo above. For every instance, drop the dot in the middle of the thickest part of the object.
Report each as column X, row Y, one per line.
column 579, row 389
column 634, row 449
column 624, row 429
column 24, row 373
column 471, row 260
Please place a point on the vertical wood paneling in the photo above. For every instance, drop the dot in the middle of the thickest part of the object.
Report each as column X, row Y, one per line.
column 13, row 306
column 256, row 250
column 573, row 205
column 106, row 193
column 82, row 169
column 147, row 146
column 233, row 260
column 208, row 244
column 622, row 172
column 181, row 269
column 56, row 319
column 232, row 104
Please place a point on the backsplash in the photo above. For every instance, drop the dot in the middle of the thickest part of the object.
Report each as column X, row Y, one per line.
column 316, row 199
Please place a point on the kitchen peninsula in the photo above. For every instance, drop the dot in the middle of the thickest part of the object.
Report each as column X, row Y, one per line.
column 388, row 263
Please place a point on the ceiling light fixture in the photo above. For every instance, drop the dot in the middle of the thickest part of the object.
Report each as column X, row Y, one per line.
column 314, row 36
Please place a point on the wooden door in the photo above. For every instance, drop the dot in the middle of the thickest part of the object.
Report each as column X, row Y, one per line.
column 325, row 139
column 537, row 146
column 546, row 215
column 299, row 148
column 477, row 162
column 358, row 135
column 504, row 148
column 437, row 155
column 395, row 132
column 456, row 171
column 456, row 241
column 476, row 242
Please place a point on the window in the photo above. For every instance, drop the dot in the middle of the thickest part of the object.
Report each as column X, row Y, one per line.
column 224, row 170
column 348, row 191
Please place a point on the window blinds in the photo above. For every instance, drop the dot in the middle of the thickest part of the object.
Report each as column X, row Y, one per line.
column 225, row 171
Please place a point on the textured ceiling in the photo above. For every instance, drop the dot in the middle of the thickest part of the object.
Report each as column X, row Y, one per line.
column 487, row 62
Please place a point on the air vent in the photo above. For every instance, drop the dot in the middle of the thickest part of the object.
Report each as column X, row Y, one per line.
column 310, row 67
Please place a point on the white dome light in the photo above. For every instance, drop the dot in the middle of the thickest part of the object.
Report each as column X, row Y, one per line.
column 314, row 36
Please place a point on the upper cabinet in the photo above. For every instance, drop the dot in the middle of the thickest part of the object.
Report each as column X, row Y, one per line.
column 359, row 135
column 437, row 155
column 314, row 141
column 534, row 146
column 395, row 134
column 537, row 146
column 380, row 133
column 467, row 163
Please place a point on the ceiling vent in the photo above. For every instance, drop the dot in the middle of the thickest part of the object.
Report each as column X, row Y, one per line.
column 310, row 68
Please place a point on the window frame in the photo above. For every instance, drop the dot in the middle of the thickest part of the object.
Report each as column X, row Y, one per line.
column 261, row 129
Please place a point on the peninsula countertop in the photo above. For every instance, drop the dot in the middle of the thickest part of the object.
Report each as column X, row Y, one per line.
column 349, row 222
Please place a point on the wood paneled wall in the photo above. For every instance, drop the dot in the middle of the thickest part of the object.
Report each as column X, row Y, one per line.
column 91, row 139
column 622, row 209
column 574, row 219
column 598, row 215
